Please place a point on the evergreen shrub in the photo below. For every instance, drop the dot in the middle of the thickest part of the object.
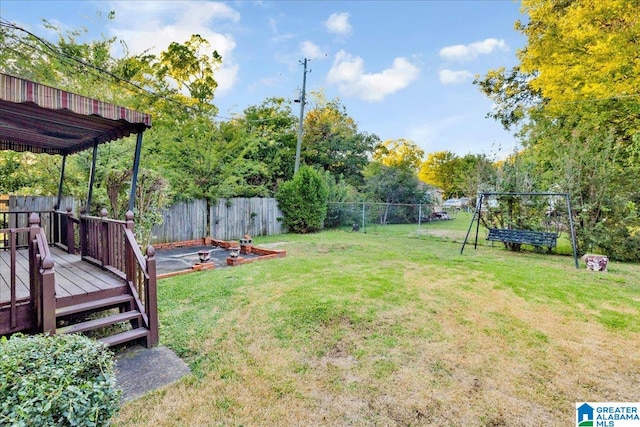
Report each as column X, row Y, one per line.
column 61, row 380
column 303, row 200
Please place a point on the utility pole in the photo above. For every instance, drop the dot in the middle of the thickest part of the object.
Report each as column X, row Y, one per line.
column 302, row 102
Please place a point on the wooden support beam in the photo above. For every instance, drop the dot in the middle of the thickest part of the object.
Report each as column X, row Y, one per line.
column 134, row 175
column 92, row 178
column 64, row 162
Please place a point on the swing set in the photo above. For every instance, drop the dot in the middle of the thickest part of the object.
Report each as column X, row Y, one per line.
column 513, row 233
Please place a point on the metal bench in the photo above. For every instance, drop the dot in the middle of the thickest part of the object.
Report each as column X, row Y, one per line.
column 529, row 237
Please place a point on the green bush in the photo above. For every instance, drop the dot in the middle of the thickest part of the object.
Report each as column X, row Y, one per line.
column 63, row 380
column 303, row 200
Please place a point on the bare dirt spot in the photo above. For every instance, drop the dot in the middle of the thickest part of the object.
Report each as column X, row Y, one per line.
column 337, row 356
column 444, row 234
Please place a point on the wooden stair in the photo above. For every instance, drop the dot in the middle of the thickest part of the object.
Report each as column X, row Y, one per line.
column 127, row 313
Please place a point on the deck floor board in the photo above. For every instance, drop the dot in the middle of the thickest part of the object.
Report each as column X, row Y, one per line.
column 73, row 275
column 22, row 279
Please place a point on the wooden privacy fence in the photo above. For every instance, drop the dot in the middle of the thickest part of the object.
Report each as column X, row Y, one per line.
column 228, row 219
column 15, row 211
column 182, row 221
column 231, row 219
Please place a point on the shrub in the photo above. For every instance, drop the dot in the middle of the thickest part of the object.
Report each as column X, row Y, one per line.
column 303, row 200
column 62, row 380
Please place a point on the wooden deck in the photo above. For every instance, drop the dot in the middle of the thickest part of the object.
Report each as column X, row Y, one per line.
column 75, row 279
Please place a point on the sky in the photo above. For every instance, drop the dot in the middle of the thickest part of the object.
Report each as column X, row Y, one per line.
column 402, row 69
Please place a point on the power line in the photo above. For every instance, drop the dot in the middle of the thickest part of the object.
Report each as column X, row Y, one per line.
column 68, row 59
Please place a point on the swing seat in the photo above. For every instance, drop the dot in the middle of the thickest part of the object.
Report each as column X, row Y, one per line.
column 529, row 237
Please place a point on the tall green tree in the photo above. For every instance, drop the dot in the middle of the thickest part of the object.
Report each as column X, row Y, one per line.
column 439, row 169
column 332, row 141
column 401, row 153
column 272, row 129
column 393, row 185
column 573, row 99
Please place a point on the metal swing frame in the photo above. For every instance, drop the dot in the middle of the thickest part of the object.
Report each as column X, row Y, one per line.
column 478, row 210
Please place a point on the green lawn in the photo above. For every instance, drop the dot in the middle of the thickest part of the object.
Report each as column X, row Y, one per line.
column 395, row 327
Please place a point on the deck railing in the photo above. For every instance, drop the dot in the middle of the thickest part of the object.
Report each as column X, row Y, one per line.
column 37, row 311
column 65, row 230
column 111, row 244
column 20, row 219
column 42, row 278
column 11, row 244
column 141, row 278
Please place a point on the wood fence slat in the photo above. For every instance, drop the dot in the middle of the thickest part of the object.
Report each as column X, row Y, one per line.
column 228, row 219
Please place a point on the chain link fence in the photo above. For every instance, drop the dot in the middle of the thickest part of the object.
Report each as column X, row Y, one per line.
column 364, row 216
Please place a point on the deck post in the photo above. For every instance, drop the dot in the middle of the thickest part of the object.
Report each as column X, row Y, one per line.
column 104, row 239
column 151, row 298
column 129, row 256
column 83, row 234
column 92, row 175
column 71, row 236
column 134, row 175
column 64, row 162
column 12, row 269
column 42, row 282
column 35, row 289
column 48, row 294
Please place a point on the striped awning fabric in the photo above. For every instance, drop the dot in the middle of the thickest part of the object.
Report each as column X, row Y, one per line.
column 43, row 119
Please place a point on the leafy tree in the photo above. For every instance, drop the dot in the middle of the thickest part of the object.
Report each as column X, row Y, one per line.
column 189, row 66
column 332, row 142
column 392, row 185
column 341, row 195
column 116, row 183
column 303, row 200
column 84, row 68
column 476, row 173
column 593, row 165
column 576, row 88
column 271, row 128
column 512, row 95
column 151, row 194
column 399, row 153
column 440, row 169
column 14, row 173
column 580, row 50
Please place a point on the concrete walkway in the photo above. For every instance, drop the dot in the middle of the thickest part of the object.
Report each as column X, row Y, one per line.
column 140, row 370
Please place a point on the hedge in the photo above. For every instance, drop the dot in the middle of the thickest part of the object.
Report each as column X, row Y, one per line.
column 62, row 380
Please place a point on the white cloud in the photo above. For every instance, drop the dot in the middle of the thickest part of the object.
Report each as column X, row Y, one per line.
column 338, row 23
column 461, row 52
column 446, row 134
column 166, row 22
column 450, row 77
column 311, row 50
column 273, row 25
column 348, row 73
column 434, row 136
column 276, row 35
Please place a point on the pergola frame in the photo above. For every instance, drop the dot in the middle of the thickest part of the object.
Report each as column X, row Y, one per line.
column 43, row 119
column 477, row 212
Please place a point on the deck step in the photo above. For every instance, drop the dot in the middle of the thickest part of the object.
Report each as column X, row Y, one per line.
column 92, row 306
column 127, row 336
column 100, row 323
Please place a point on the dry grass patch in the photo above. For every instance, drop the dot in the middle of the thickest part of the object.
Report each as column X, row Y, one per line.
column 366, row 332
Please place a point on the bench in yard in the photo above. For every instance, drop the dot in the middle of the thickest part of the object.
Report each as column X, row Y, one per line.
column 528, row 237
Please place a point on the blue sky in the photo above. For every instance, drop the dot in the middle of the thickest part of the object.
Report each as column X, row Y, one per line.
column 402, row 69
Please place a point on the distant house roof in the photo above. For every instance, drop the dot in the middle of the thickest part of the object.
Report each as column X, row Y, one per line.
column 42, row 119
